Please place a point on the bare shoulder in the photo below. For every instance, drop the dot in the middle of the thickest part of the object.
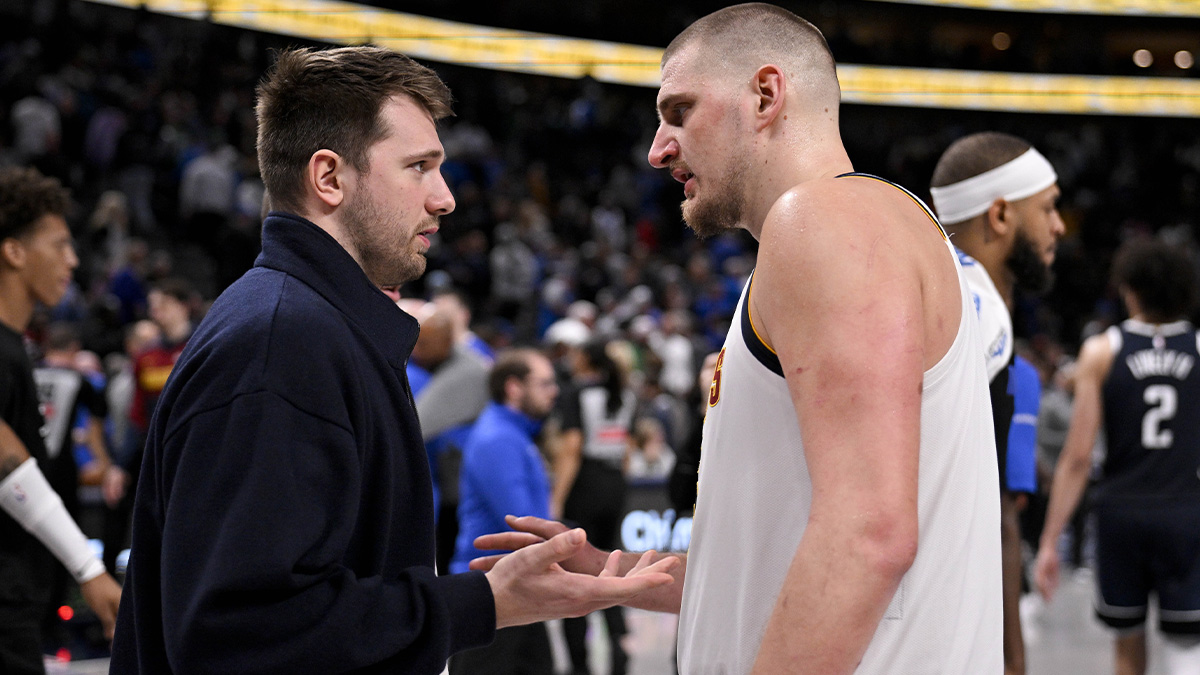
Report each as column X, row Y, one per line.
column 857, row 221
column 1095, row 358
column 859, row 242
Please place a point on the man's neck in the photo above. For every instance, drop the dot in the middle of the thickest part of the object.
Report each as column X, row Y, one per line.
column 775, row 178
column 970, row 241
column 16, row 304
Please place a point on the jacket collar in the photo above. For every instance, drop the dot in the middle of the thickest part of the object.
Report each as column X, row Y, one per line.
column 517, row 418
column 296, row 246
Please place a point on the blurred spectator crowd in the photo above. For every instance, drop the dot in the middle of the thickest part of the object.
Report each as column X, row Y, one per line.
column 563, row 234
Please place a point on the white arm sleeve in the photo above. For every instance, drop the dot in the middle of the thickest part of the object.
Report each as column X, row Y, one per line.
column 28, row 498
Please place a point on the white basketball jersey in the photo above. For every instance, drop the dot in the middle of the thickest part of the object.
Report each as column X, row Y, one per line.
column 994, row 320
column 754, row 500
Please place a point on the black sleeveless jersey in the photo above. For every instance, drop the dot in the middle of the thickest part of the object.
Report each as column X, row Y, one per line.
column 1152, row 414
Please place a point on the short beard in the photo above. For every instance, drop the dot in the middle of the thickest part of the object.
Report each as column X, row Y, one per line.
column 1030, row 272
column 368, row 231
column 718, row 212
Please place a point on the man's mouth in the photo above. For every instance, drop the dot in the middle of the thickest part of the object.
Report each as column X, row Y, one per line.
column 426, row 233
column 687, row 178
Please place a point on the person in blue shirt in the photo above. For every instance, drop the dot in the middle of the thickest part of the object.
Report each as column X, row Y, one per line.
column 503, row 473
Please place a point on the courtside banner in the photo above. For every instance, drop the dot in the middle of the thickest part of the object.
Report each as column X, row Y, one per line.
column 539, row 53
column 1125, row 7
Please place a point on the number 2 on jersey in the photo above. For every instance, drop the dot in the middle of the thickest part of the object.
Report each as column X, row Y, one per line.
column 1164, row 400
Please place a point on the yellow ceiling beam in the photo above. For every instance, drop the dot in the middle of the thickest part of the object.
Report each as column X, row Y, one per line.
column 1176, row 8
column 521, row 51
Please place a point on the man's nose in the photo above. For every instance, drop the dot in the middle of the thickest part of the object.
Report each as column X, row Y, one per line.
column 664, row 149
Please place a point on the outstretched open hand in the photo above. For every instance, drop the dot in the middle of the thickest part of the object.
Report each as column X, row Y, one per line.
column 530, row 584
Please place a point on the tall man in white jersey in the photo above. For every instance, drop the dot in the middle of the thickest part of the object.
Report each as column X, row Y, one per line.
column 847, row 518
column 995, row 195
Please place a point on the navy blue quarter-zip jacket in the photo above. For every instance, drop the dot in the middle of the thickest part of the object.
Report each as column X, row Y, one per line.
column 284, row 517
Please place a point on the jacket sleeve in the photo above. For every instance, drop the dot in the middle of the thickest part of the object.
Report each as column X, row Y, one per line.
column 261, row 502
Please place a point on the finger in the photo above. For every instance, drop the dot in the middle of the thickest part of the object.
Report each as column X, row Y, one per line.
column 534, row 525
column 618, row 589
column 663, row 566
column 487, row 562
column 506, row 541
column 612, row 564
column 643, row 562
column 556, row 549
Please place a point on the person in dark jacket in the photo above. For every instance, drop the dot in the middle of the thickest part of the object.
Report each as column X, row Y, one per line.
column 284, row 517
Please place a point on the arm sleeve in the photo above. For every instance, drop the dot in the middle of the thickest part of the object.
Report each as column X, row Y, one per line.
column 263, row 502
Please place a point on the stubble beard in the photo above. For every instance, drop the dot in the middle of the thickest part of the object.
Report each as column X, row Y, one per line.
column 385, row 258
column 723, row 209
column 1030, row 272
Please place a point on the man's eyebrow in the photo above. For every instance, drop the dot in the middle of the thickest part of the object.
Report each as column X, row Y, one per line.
column 669, row 101
column 432, row 154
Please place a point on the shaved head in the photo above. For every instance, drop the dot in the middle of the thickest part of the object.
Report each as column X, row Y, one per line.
column 737, row 40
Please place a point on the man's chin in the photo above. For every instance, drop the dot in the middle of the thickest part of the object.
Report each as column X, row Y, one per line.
column 703, row 224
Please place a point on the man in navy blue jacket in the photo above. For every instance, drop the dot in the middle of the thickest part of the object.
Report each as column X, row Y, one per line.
column 503, row 473
column 284, row 517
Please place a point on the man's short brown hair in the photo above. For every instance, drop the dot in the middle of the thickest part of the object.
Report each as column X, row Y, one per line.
column 978, row 153
column 25, row 196
column 755, row 33
column 330, row 99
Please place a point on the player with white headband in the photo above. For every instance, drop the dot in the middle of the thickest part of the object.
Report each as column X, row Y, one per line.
column 995, row 196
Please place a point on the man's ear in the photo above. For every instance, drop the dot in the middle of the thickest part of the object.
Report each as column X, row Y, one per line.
column 326, row 176
column 999, row 222
column 770, row 90
column 12, row 253
column 512, row 389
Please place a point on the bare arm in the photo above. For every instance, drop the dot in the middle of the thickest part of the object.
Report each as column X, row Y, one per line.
column 566, row 468
column 1075, row 462
column 846, row 318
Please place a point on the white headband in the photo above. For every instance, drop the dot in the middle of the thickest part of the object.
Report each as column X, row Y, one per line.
column 1023, row 177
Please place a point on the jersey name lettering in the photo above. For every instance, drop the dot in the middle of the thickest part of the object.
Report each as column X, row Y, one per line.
column 1161, row 362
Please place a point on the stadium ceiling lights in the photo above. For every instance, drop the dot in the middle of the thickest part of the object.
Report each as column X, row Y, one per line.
column 1177, row 8
column 520, row 51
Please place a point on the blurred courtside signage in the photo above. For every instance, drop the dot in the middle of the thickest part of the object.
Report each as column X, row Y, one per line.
column 1128, row 7
column 520, row 51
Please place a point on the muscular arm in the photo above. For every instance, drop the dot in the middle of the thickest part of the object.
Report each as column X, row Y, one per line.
column 1075, row 462
column 846, row 319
